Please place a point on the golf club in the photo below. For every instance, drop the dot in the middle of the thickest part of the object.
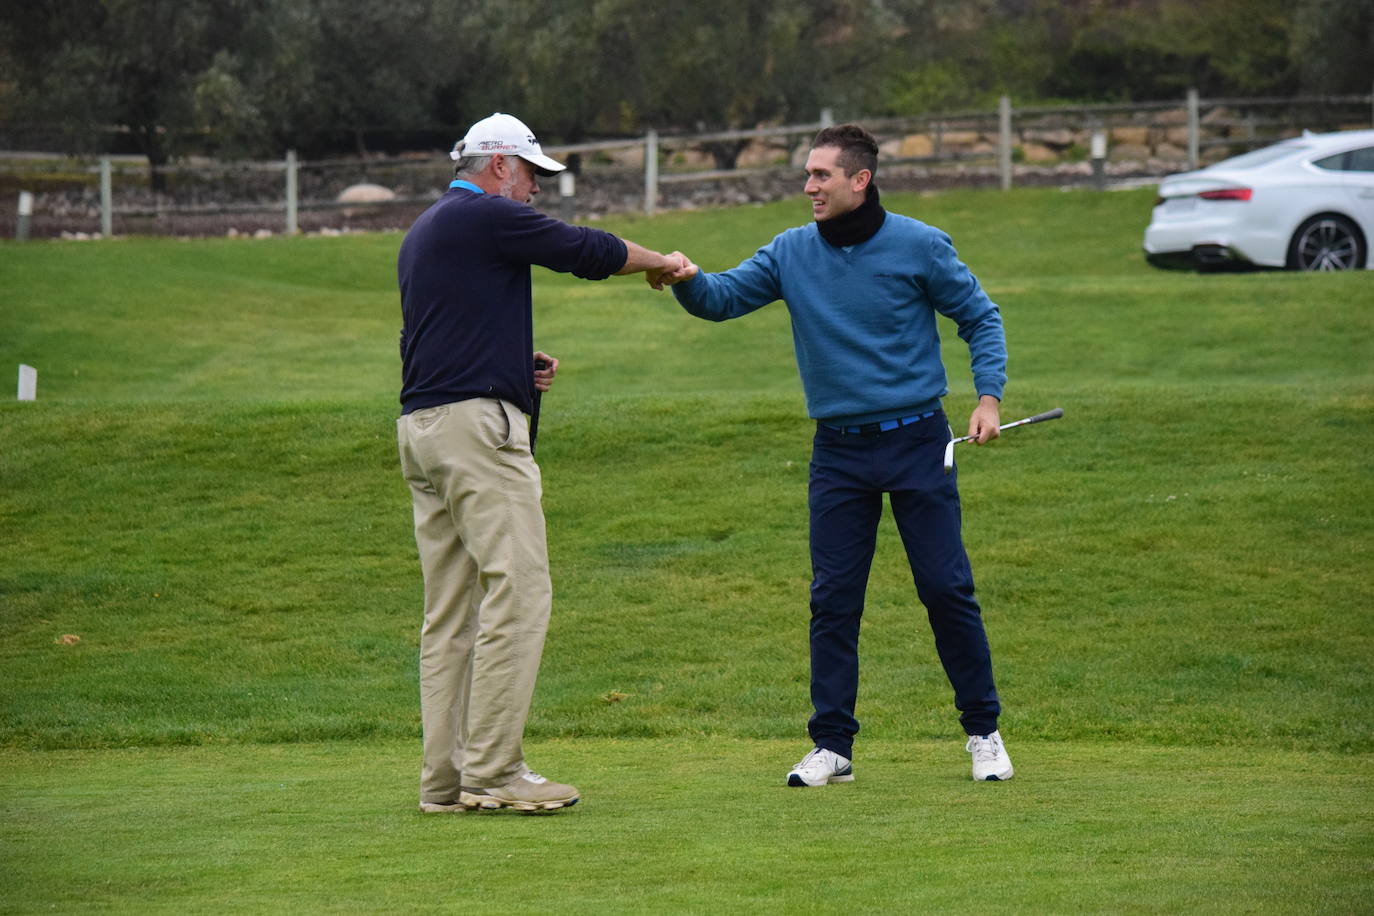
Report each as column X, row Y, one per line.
column 534, row 414
column 1040, row 417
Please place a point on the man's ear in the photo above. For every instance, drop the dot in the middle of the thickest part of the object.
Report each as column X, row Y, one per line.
column 500, row 165
column 860, row 179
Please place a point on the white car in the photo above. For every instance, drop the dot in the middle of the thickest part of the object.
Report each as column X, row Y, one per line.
column 1306, row 204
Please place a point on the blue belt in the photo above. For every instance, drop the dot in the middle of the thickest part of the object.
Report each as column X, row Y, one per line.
column 885, row 426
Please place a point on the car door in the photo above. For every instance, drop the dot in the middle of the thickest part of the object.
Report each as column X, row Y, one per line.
column 1357, row 174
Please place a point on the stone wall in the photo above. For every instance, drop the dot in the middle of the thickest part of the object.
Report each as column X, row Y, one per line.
column 207, row 198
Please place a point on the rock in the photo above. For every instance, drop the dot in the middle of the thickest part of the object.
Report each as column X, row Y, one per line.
column 1130, row 151
column 1133, row 136
column 915, row 146
column 955, row 140
column 760, row 154
column 1060, row 137
column 1038, row 152
column 628, row 157
column 365, row 194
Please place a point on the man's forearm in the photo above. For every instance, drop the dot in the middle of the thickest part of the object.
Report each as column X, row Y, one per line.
column 638, row 258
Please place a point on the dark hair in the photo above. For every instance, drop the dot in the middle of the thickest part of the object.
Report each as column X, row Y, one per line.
column 858, row 149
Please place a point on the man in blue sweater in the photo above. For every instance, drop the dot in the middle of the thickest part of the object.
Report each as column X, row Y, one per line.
column 863, row 287
column 469, row 376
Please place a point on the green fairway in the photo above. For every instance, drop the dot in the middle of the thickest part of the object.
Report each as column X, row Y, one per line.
column 1175, row 577
column 681, row 825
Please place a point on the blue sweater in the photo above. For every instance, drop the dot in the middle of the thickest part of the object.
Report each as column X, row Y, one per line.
column 467, row 320
column 863, row 317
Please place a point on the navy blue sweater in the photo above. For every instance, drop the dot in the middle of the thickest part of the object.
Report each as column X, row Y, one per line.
column 467, row 326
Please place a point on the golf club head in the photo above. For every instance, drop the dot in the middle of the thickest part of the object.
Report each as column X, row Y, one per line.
column 949, row 456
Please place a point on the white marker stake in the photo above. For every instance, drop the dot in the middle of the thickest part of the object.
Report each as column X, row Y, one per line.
column 28, row 383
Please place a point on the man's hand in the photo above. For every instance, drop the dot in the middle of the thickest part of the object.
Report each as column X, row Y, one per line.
column 987, row 416
column 685, row 271
column 543, row 378
column 674, row 269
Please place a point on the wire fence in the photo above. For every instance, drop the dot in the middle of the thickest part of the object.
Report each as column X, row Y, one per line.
column 1089, row 145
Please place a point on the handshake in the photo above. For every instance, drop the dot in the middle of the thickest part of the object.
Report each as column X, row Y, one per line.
column 675, row 268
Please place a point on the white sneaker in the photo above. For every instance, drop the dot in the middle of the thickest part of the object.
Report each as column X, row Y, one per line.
column 820, row 767
column 990, row 760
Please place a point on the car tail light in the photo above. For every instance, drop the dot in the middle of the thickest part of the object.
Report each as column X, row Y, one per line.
column 1227, row 194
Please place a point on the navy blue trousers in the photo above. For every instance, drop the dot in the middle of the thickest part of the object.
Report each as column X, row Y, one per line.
column 849, row 475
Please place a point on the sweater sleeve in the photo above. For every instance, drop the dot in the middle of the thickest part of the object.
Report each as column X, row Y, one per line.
column 956, row 293
column 735, row 292
column 530, row 237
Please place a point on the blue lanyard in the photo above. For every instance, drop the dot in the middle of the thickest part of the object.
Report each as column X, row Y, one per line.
column 460, row 183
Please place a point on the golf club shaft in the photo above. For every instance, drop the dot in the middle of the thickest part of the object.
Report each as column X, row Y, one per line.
column 1054, row 414
column 1038, row 418
column 534, row 413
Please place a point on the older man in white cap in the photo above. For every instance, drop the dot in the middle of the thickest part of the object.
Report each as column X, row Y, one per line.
column 469, row 377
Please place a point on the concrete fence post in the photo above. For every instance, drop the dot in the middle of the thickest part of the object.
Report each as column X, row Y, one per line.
column 651, row 172
column 1004, row 140
column 1194, row 126
column 567, row 196
column 292, row 226
column 1099, row 157
column 827, row 118
column 23, row 216
column 106, row 198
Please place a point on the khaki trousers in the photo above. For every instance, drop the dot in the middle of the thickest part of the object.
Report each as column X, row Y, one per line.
column 479, row 528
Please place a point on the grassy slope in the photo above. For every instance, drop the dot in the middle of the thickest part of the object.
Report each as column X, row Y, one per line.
column 207, row 495
column 223, row 525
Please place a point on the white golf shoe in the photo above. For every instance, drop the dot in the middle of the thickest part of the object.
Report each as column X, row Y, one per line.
column 990, row 760
column 819, row 768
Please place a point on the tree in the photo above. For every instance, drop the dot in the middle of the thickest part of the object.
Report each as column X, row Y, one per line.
column 1155, row 49
column 319, row 75
column 952, row 55
column 87, row 65
column 568, row 68
column 1332, row 41
column 731, row 64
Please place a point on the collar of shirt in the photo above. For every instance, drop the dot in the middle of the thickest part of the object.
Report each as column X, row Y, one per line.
column 466, row 185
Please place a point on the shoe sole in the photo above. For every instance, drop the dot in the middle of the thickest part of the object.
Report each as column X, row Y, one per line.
column 492, row 803
column 993, row 777
column 437, row 808
column 796, row 781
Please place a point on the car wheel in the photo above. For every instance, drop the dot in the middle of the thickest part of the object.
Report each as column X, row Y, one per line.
column 1326, row 242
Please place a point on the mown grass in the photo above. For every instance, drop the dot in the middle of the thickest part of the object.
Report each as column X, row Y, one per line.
column 206, row 493
column 679, row 825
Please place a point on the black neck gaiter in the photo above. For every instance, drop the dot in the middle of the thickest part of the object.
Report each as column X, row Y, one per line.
column 858, row 225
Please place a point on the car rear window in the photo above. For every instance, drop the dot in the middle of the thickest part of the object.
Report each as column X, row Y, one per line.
column 1356, row 160
column 1261, row 157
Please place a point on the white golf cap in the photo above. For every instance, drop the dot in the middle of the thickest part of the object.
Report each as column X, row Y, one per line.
column 508, row 135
